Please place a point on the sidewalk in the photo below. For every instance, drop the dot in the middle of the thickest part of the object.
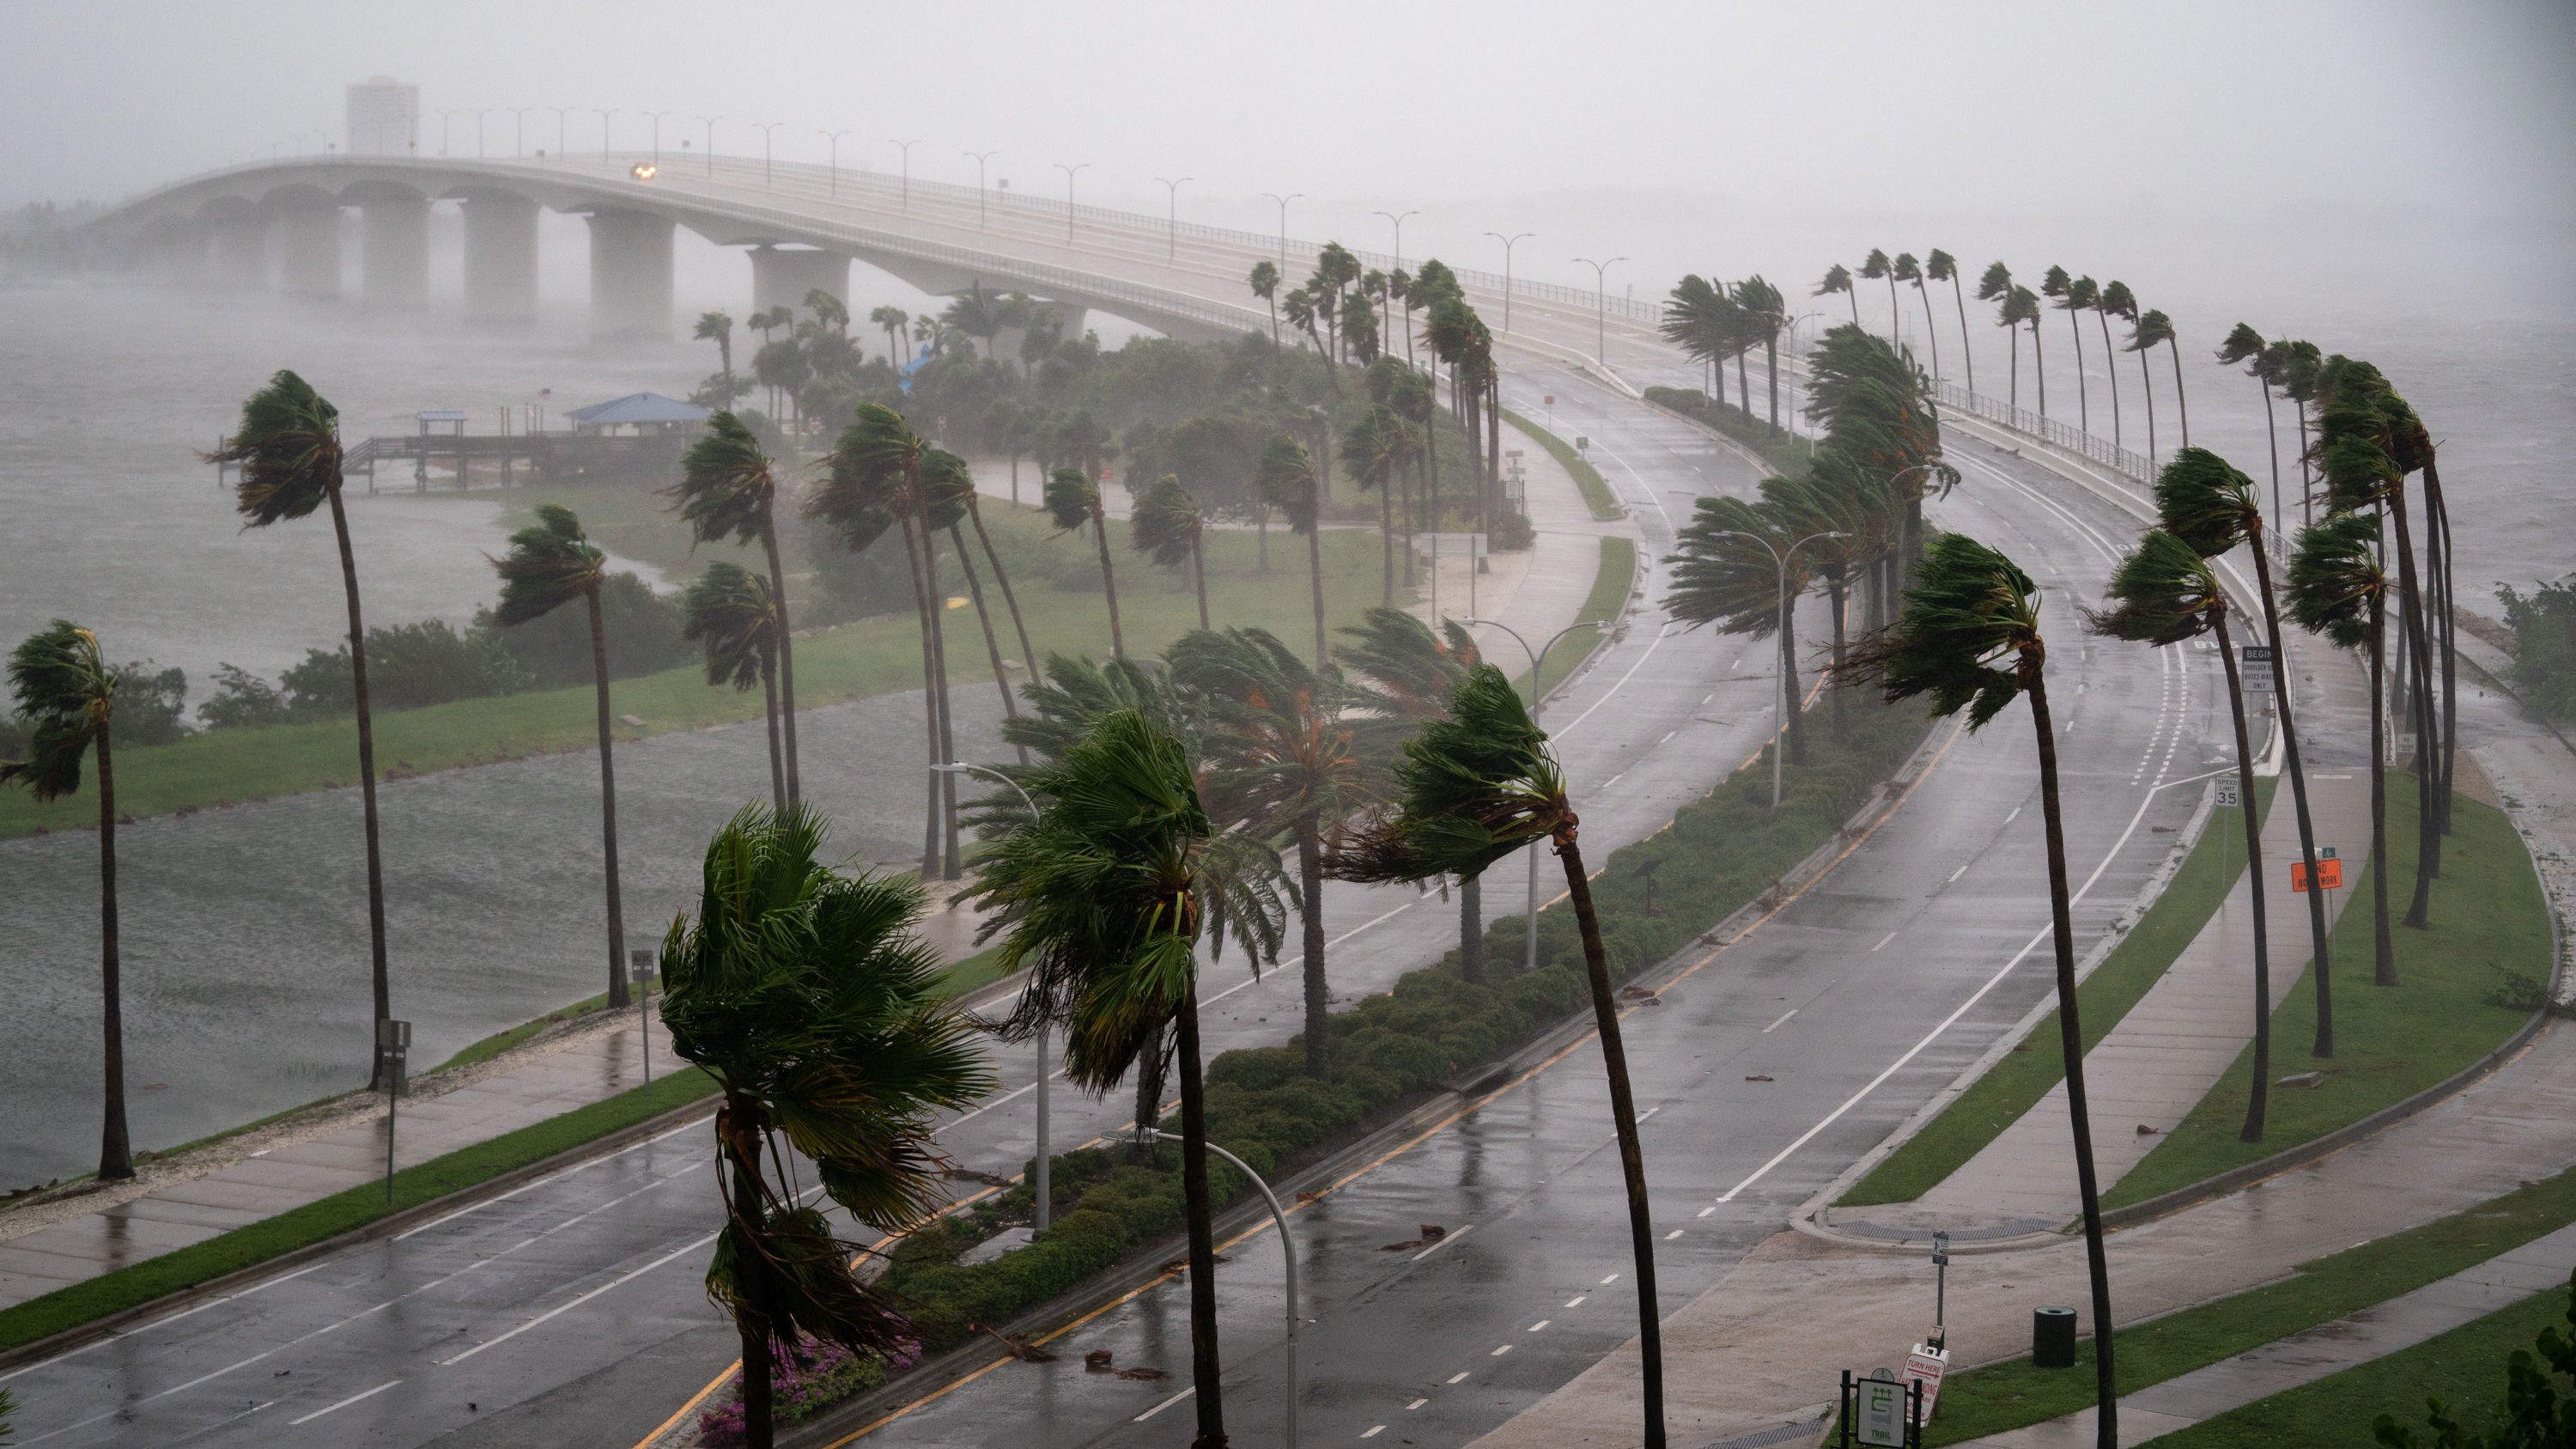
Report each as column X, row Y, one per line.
column 269, row 1181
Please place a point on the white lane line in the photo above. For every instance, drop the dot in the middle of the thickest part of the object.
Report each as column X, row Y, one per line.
column 1675, row 1233
column 1613, row 1278
column 1373, row 1433
column 1167, row 1403
column 1416, row 1404
column 1613, row 780
column 535, row 1183
column 344, row 1403
column 2016, row 815
column 689, row 1247
column 1542, row 1323
column 1444, row 1242
column 1498, row 1353
column 1962, row 870
column 1576, row 1299
column 1453, row 1378
column 1651, row 646
column 1668, row 735
column 1704, row 1212
column 1784, row 1017
column 1883, row 940
column 1328, row 946
column 158, row 1323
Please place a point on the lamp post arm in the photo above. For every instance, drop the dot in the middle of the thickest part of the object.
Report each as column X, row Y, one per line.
column 1288, row 1251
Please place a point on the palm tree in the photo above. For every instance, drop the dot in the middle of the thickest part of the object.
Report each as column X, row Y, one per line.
column 1015, row 423
column 2212, row 507
column 729, row 486
column 1416, row 399
column 2167, row 593
column 1703, row 321
column 1474, row 788
column 1728, row 572
column 1285, row 479
column 2144, row 334
column 1970, row 639
column 550, row 564
column 2019, row 306
column 1838, row 278
column 809, row 1000
column 891, row 321
column 1168, row 526
column 1265, row 285
column 1400, row 674
column 66, row 690
column 1943, row 267
column 1876, row 267
column 1906, row 269
column 1073, row 500
column 287, row 459
column 732, row 612
column 828, row 310
column 717, row 328
column 1104, row 897
column 2114, row 301
column 1848, row 518
column 948, row 486
column 2339, row 588
column 2081, row 296
column 2263, row 364
column 1764, row 312
column 1373, row 448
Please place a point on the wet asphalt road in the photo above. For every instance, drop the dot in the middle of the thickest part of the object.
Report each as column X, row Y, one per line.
column 571, row 1313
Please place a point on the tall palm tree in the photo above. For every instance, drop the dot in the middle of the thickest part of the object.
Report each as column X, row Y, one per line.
column 717, row 328
column 949, row 488
column 731, row 612
column 1016, row 423
column 2019, row 308
column 1474, row 788
column 1073, row 500
column 1765, row 312
column 2167, row 593
column 1906, row 269
column 1970, row 639
column 1996, row 286
column 1286, row 479
column 1416, row 399
column 807, row 997
column 1705, row 322
column 550, row 564
column 1400, row 674
column 1373, row 448
column 2338, row 587
column 1943, row 267
column 1849, row 519
column 1104, row 898
column 1876, row 267
column 1728, row 572
column 2081, row 295
column 1282, row 762
column 1838, row 278
column 829, row 310
column 286, row 454
column 2115, row 300
column 66, row 690
column 1265, row 285
column 2213, row 507
column 1169, row 528
column 2145, row 331
column 728, row 485
column 2263, row 363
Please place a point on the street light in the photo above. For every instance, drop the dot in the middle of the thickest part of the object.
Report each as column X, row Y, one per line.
column 1535, row 655
column 519, row 132
column 711, row 140
column 906, row 148
column 1507, row 242
column 1172, row 219
column 478, row 132
column 1780, row 693
column 768, row 131
column 980, row 158
column 1283, row 222
column 1068, row 196
column 1044, row 1192
column 562, row 150
column 603, row 128
column 657, row 137
column 1601, row 309
column 1288, row 1249
column 1399, row 234
column 835, row 138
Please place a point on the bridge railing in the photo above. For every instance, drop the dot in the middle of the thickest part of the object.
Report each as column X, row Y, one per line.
column 2135, row 467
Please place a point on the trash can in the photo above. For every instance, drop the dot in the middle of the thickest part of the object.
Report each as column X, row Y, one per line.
column 2052, row 1338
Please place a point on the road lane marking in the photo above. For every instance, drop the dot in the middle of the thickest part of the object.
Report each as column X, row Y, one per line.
column 1883, row 940
column 1962, row 870
column 1416, row 1404
column 1453, row 1378
column 344, row 1403
column 1784, row 1017
column 1542, row 1323
column 158, row 1323
column 1613, row 1278
column 689, row 1247
column 1675, row 1233
column 1373, row 1433
column 1328, row 946
column 2016, row 815
column 1613, row 780
column 1704, row 1212
column 1498, row 1353
column 535, row 1183
column 1149, row 1413
column 1651, row 646
column 1444, row 1242
column 1668, row 734
column 1576, row 1299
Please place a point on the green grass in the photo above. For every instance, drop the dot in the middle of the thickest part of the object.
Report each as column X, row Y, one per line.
column 1996, row 1100
column 2012, row 1394
column 857, row 660
column 245, row 1247
column 1610, row 584
column 1596, row 489
column 2390, row 1042
column 2464, row 1368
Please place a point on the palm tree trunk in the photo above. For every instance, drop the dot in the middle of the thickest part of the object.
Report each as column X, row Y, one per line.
column 1198, row 567
column 1108, row 580
column 786, row 652
column 950, row 863
column 2012, row 340
column 769, row 702
column 1002, row 578
column 929, row 703
column 2383, row 946
column 366, row 775
column 2147, row 380
column 2083, row 394
column 2272, row 434
column 2071, row 1041
column 2307, row 505
column 2255, row 1105
column 1931, row 333
column 1837, row 595
column 742, row 1203
column 984, row 616
column 1792, row 717
column 115, row 1150
column 1743, row 383
column 607, row 804
column 2111, row 369
column 1852, row 295
column 1315, row 572
column 2319, row 940
column 1771, row 373
column 2039, row 366
column 1385, row 530
column 2182, row 404
column 1471, row 929
column 1310, row 911
column 1493, row 474
column 2438, row 525
column 1200, row 1211
column 1959, row 293
column 2419, row 656
column 1623, row 1118
column 1894, row 312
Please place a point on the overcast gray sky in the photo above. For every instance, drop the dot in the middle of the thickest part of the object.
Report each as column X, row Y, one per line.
column 1605, row 120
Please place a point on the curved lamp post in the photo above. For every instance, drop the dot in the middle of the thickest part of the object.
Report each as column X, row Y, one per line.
column 980, row 158
column 1507, row 242
column 1530, row 961
column 1068, row 194
column 835, row 138
column 711, row 140
column 1780, row 685
column 1044, row 1193
column 1283, row 221
column 1288, row 1249
column 1601, row 307
column 1172, row 220
column 768, row 133
column 906, row 148
column 603, row 128
column 1399, row 234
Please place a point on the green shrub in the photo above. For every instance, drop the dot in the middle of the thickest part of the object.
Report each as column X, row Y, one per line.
column 1782, row 451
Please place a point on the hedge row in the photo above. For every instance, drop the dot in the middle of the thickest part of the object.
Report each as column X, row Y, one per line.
column 1785, row 452
column 1653, row 896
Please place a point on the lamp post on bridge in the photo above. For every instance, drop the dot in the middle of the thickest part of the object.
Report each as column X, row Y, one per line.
column 519, row 131
column 1601, row 314
column 1399, row 234
column 711, row 140
column 1536, row 694
column 768, row 132
column 835, row 138
column 1780, row 689
column 442, row 133
column 906, row 148
column 478, row 131
column 1172, row 216
column 980, row 158
column 1508, row 242
column 1283, row 221
column 562, row 147
column 603, row 128
column 1068, row 196
column 657, row 137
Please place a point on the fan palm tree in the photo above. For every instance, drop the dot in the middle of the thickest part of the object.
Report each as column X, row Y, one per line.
column 1373, row 449
column 2150, row 329
column 1416, row 399
column 1943, row 267
column 2212, row 507
column 1073, row 500
column 1400, row 674
column 1906, row 269
column 1169, row 528
column 66, row 690
column 2082, row 294
column 1703, row 321
column 728, row 485
column 1104, row 898
column 1474, row 788
column 2167, row 593
column 731, row 612
column 2023, row 306
column 2263, row 362
column 807, row 997
column 717, row 328
column 550, row 564
column 1728, row 572
column 828, row 310
column 1849, row 520
column 286, row 454
column 1876, row 267
column 1764, row 312
column 1996, row 286
column 1286, row 479
column 949, row 487
column 891, row 321
column 1265, row 285
column 1838, row 278
column 2115, row 300
column 1970, row 639
column 2339, row 588
column 2299, row 385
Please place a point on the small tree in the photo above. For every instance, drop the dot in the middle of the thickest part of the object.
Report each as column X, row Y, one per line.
column 728, row 485
column 2534, row 1414
column 1073, row 501
column 1286, row 479
column 731, row 613
column 1169, row 529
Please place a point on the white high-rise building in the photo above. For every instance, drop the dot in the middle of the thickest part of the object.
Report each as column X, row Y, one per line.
column 384, row 117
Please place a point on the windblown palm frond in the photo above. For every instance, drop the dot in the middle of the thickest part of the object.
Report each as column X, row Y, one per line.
column 1727, row 572
column 868, row 477
column 1970, row 606
column 67, row 691
column 1071, row 498
column 726, row 482
column 2166, row 593
column 550, row 564
column 2204, row 501
column 287, row 452
column 1403, row 671
column 728, row 610
column 1166, row 522
column 2336, row 580
column 1472, row 788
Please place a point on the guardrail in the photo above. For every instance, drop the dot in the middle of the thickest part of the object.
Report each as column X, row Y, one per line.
column 2134, row 466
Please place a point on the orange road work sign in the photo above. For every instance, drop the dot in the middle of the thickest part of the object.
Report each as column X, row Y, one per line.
column 2330, row 872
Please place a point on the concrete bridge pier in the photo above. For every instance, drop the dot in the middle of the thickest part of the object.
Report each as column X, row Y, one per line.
column 500, row 259
column 237, row 253
column 394, row 251
column 630, row 275
column 309, row 250
column 781, row 277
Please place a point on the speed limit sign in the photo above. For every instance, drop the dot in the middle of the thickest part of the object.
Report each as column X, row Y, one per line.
column 2227, row 795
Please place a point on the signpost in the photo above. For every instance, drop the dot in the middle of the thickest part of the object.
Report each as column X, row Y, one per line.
column 1879, row 1411
column 1470, row 544
column 393, row 1049
column 2329, row 872
column 2257, row 673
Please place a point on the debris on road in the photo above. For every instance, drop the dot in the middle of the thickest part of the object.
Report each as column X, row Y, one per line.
column 1757, row 1079
column 1097, row 1361
column 1431, row 1232
column 1144, row 1373
column 1019, row 1347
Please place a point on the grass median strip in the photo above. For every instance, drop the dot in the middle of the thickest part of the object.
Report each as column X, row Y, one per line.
column 2013, row 1394
column 2017, row 1082
column 1596, row 489
column 1610, row 585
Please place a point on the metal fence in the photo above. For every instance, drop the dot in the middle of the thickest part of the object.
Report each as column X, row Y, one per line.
column 2136, row 467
